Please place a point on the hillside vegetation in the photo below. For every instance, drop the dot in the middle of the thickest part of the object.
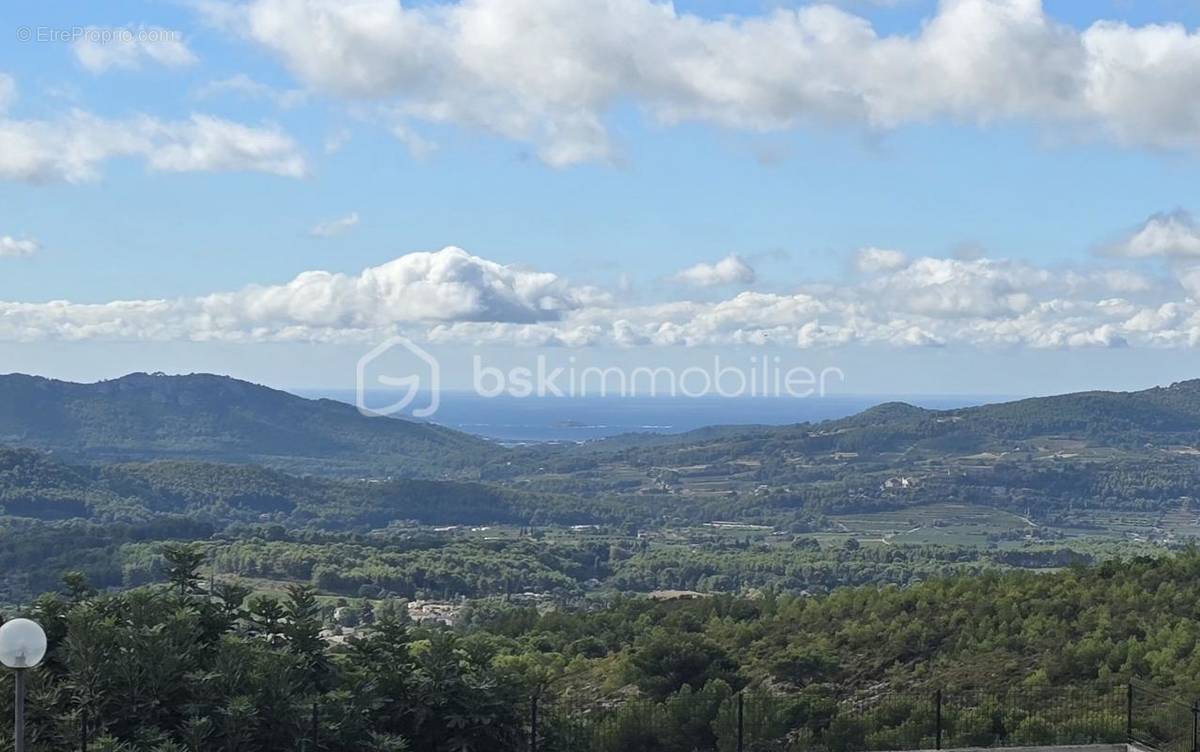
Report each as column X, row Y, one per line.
column 178, row 667
column 201, row 416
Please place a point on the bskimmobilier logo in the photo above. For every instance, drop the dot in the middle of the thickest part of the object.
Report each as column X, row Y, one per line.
column 425, row 380
column 410, row 376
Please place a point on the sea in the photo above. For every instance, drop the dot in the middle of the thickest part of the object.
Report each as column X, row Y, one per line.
column 576, row 419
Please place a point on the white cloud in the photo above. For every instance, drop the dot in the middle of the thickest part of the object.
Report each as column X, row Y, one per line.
column 74, row 147
column 483, row 64
column 102, row 48
column 246, row 87
column 447, row 285
column 1126, row 281
column 418, row 146
column 419, row 288
column 1142, row 83
column 871, row 260
column 1189, row 279
column 729, row 270
column 980, row 288
column 10, row 246
column 210, row 144
column 333, row 227
column 1173, row 234
column 451, row 296
column 1154, row 319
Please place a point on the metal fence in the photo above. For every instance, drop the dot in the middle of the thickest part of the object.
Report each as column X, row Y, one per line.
column 1162, row 721
column 715, row 719
column 757, row 720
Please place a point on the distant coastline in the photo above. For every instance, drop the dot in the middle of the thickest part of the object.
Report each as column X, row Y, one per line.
column 550, row 419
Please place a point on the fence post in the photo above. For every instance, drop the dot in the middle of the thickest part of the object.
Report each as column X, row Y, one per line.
column 1129, row 711
column 533, row 724
column 741, row 721
column 316, row 725
column 83, row 729
column 1195, row 725
column 937, row 716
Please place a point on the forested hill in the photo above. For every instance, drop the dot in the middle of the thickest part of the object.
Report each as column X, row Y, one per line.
column 1159, row 416
column 217, row 418
column 1115, row 418
column 37, row 486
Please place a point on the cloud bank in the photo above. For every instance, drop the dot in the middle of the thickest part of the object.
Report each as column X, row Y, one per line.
column 451, row 296
column 549, row 72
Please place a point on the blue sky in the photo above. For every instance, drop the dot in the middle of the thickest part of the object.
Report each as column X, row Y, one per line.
column 1000, row 193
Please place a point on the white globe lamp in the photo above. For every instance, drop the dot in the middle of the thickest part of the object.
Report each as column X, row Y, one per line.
column 22, row 643
column 22, row 646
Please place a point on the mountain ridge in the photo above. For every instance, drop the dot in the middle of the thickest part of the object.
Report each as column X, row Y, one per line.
column 210, row 417
column 1107, row 417
column 143, row 416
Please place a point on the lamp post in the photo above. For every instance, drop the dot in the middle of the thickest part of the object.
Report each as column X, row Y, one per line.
column 22, row 646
